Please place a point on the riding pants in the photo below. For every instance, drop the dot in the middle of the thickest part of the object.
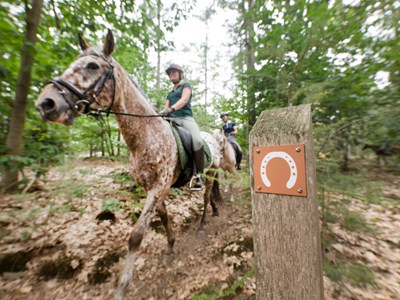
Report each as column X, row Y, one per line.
column 197, row 141
column 190, row 124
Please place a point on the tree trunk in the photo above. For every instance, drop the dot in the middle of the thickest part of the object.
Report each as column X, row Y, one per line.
column 159, row 100
column 206, row 67
column 119, row 144
column 287, row 247
column 250, row 63
column 17, row 121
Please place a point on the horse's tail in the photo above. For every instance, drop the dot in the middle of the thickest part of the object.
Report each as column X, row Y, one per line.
column 216, row 194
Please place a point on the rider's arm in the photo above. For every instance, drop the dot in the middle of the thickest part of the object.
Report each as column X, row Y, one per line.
column 186, row 93
column 235, row 131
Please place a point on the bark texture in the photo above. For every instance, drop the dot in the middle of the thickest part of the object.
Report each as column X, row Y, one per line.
column 286, row 228
column 17, row 122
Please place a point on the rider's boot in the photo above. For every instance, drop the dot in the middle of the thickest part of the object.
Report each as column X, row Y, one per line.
column 239, row 155
column 196, row 183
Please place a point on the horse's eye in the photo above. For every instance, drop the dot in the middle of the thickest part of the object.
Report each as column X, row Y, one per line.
column 92, row 66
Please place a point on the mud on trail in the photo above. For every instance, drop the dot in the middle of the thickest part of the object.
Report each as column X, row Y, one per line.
column 69, row 240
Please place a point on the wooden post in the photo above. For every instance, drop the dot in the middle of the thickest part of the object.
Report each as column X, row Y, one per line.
column 287, row 244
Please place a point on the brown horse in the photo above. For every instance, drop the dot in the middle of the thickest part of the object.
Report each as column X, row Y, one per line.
column 382, row 150
column 96, row 81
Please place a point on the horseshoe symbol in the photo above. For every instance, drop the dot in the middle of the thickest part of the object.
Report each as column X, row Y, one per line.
column 290, row 161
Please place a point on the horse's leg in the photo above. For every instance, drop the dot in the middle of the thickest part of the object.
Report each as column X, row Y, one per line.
column 215, row 195
column 226, row 183
column 231, row 190
column 135, row 240
column 207, row 195
column 234, row 178
column 162, row 212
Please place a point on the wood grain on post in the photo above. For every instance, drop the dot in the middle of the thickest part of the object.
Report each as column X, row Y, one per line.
column 287, row 244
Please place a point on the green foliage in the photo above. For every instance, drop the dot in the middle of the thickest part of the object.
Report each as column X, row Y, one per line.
column 25, row 235
column 15, row 162
column 355, row 222
column 213, row 293
column 57, row 46
column 111, row 205
column 123, row 178
column 324, row 53
column 335, row 272
column 360, row 275
column 69, row 189
column 177, row 192
column 357, row 274
column 78, row 191
column 326, row 239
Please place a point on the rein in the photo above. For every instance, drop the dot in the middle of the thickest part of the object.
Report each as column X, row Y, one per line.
column 108, row 112
column 82, row 106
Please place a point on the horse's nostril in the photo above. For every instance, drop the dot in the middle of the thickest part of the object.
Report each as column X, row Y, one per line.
column 48, row 105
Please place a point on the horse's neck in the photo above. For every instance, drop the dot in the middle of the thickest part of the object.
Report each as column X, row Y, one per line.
column 373, row 147
column 137, row 131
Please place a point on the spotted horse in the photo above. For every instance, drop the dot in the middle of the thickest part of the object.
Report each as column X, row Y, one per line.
column 96, row 81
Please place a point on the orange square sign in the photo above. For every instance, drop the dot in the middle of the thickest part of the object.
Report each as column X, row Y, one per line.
column 280, row 170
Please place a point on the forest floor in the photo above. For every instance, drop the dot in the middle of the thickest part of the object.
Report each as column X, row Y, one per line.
column 68, row 239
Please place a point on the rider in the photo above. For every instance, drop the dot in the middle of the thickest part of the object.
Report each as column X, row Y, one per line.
column 177, row 106
column 385, row 149
column 231, row 131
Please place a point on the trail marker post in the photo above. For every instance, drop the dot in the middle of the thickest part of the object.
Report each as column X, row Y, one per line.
column 285, row 215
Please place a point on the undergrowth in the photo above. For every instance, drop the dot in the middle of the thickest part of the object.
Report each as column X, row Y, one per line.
column 214, row 292
column 339, row 194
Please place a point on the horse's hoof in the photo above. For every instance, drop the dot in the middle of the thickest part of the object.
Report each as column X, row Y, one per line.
column 167, row 258
column 215, row 214
column 201, row 234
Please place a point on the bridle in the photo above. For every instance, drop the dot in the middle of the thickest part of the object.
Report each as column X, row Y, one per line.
column 82, row 106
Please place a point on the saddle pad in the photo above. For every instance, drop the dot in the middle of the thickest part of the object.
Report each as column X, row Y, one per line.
column 183, row 158
column 183, row 155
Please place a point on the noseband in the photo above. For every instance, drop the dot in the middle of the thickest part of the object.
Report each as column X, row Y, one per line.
column 82, row 106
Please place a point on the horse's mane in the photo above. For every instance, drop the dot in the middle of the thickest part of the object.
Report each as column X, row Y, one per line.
column 133, row 80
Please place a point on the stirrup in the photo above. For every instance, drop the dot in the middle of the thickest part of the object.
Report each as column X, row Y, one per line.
column 197, row 185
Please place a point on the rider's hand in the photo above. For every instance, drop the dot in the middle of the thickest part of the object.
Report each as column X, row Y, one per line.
column 167, row 111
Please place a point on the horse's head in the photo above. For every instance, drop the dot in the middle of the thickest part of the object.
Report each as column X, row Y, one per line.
column 88, row 83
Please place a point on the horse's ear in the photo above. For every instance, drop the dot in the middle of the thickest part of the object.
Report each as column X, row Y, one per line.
column 109, row 44
column 84, row 45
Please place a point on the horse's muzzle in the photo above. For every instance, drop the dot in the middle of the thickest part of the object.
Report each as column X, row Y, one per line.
column 54, row 109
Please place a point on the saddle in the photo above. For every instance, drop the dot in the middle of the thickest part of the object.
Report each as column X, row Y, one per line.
column 183, row 140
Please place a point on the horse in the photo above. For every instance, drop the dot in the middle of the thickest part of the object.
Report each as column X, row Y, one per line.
column 382, row 150
column 228, row 157
column 95, row 81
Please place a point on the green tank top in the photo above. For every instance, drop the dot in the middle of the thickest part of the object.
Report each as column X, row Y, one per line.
column 174, row 96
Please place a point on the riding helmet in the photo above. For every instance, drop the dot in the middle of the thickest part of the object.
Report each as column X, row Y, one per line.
column 223, row 114
column 174, row 67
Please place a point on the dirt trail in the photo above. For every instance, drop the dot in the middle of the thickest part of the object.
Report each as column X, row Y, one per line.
column 61, row 230
column 52, row 246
